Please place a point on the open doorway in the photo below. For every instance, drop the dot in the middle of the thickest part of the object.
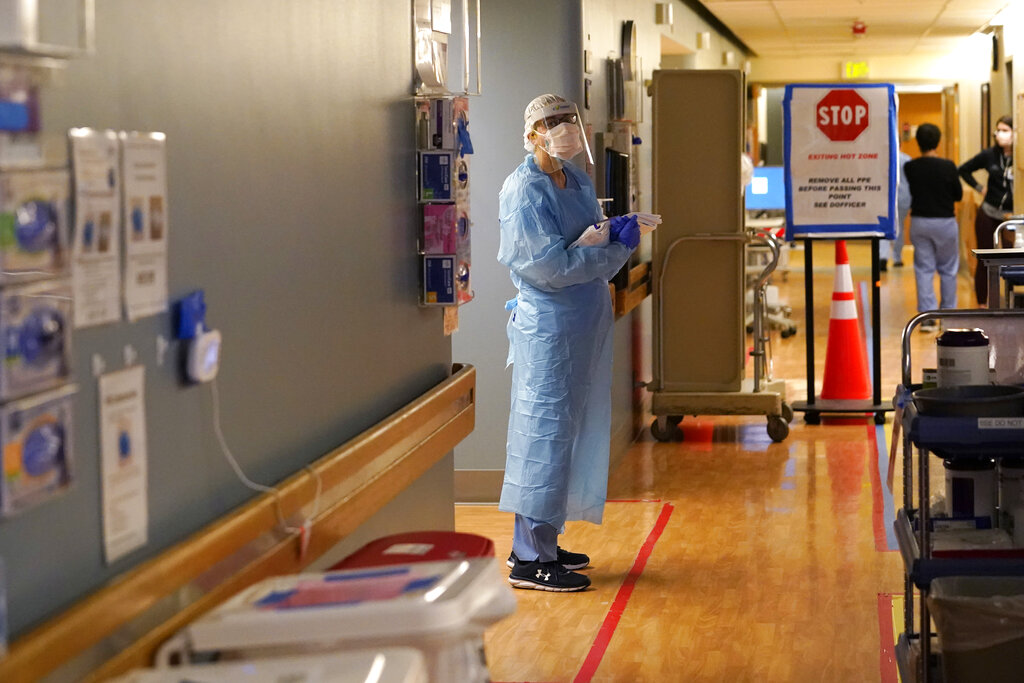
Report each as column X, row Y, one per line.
column 675, row 55
column 917, row 108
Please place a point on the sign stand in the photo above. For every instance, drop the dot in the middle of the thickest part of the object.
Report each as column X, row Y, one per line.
column 840, row 167
column 815, row 406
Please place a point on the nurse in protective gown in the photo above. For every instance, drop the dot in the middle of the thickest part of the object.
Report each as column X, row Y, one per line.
column 560, row 347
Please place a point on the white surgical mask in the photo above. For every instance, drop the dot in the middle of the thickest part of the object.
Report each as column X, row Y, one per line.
column 1004, row 137
column 563, row 141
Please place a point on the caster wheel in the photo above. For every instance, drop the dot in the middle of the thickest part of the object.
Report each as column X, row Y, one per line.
column 778, row 430
column 674, row 420
column 663, row 432
column 812, row 418
column 879, row 418
column 788, row 332
column 787, row 412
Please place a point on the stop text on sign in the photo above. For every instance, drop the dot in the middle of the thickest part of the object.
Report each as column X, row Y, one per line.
column 842, row 115
column 835, row 115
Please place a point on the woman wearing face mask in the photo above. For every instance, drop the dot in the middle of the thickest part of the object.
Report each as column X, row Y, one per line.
column 998, row 203
column 559, row 332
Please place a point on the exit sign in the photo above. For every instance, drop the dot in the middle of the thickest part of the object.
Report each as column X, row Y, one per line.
column 853, row 70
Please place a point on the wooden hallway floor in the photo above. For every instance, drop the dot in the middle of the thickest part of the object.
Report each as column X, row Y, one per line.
column 726, row 557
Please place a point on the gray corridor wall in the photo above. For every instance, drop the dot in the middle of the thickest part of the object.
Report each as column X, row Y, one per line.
column 292, row 204
column 529, row 47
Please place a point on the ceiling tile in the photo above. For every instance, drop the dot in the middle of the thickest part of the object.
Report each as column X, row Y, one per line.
column 809, row 27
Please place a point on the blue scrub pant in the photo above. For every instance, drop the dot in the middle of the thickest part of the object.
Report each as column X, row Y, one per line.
column 534, row 541
column 936, row 249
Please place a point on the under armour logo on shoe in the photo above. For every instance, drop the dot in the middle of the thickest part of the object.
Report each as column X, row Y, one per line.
column 541, row 574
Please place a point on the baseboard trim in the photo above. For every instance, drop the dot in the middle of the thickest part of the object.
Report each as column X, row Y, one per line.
column 478, row 486
column 483, row 487
column 621, row 441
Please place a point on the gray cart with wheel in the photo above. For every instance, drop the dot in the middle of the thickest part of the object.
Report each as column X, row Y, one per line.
column 699, row 258
column 759, row 395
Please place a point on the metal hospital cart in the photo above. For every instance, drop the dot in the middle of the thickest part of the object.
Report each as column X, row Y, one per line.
column 970, row 438
column 699, row 257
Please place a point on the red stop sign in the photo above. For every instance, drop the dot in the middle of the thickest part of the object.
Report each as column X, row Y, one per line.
column 842, row 115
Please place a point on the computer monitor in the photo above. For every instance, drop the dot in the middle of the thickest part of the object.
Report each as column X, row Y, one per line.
column 616, row 181
column 616, row 186
column 767, row 189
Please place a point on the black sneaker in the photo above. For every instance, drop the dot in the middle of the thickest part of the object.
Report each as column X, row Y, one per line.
column 568, row 560
column 546, row 576
column 883, row 265
column 930, row 326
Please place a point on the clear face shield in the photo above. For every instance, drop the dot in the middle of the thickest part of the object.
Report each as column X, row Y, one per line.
column 560, row 130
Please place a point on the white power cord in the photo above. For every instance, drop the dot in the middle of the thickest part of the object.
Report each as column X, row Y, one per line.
column 249, row 483
column 18, row 273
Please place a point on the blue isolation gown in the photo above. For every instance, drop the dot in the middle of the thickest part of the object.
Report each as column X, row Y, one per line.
column 560, row 346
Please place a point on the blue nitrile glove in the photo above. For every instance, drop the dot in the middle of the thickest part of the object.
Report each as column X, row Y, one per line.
column 616, row 223
column 625, row 229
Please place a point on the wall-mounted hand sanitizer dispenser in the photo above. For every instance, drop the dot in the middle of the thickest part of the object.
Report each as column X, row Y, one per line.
column 202, row 359
column 43, row 27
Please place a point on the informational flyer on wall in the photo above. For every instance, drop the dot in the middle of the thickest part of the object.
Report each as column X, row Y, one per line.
column 96, row 248
column 840, row 160
column 144, row 163
column 123, row 462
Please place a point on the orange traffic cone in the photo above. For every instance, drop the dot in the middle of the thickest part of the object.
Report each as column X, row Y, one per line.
column 846, row 362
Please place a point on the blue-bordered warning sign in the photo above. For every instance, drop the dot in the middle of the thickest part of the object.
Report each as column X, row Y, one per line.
column 841, row 154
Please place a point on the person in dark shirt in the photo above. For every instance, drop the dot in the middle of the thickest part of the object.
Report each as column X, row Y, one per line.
column 998, row 203
column 935, row 189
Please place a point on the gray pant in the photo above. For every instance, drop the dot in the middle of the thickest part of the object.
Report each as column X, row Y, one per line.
column 533, row 540
column 936, row 250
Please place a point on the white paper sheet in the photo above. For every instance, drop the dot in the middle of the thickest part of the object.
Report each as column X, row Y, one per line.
column 144, row 165
column 598, row 234
column 96, row 250
column 123, row 462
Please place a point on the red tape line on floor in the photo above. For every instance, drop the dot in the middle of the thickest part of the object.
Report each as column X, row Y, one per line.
column 604, row 635
column 887, row 639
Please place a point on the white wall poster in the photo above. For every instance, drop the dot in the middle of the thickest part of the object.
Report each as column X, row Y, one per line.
column 841, row 154
column 144, row 162
column 96, row 249
column 123, row 461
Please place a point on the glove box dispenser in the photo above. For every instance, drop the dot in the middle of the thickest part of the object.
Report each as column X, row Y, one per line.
column 35, row 433
column 35, row 325
column 443, row 145
column 33, row 224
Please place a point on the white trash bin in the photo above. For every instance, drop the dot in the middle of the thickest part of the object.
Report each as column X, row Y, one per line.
column 980, row 622
column 438, row 608
column 386, row 665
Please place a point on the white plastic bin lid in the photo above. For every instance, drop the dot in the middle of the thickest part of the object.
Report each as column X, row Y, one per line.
column 373, row 605
column 386, row 665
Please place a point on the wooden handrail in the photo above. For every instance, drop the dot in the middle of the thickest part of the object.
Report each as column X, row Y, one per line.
column 638, row 289
column 356, row 480
column 639, row 273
